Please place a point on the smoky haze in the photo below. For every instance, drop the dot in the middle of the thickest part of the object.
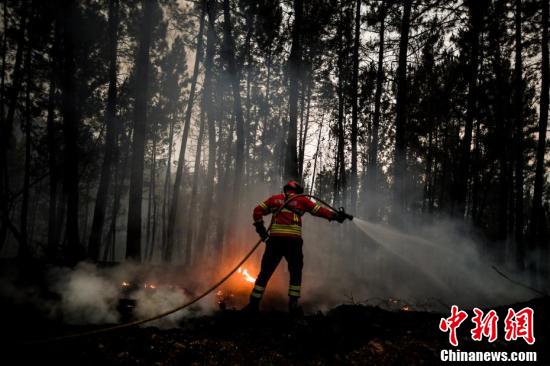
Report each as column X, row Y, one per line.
column 137, row 137
column 420, row 266
column 425, row 266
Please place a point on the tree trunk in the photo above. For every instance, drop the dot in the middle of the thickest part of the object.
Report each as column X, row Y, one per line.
column 537, row 237
column 34, row 211
column 151, row 217
column 195, row 184
column 304, row 130
column 475, row 210
column 174, row 207
column 354, row 106
column 518, row 108
column 110, row 138
column 4, row 208
column 435, row 175
column 17, row 74
column 24, row 252
column 340, row 172
column 460, row 185
column 248, row 52
column 294, row 69
column 223, row 202
column 496, row 34
column 302, row 114
column 166, row 193
column 61, row 216
column 4, row 54
column 122, row 149
column 133, row 238
column 86, row 210
column 372, row 168
column 400, row 164
column 281, row 147
column 211, row 122
column 7, row 125
column 266, row 115
column 149, row 207
column 429, row 172
column 254, row 173
column 316, row 156
column 154, row 228
column 71, row 120
column 237, row 106
column 51, row 250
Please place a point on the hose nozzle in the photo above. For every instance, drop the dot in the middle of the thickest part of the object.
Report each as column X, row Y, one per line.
column 343, row 212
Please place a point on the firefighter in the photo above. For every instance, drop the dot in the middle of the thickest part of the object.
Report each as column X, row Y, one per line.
column 285, row 240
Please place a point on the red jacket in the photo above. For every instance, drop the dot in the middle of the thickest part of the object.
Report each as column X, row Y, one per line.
column 289, row 222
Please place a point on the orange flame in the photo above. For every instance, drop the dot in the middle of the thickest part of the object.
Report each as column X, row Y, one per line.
column 247, row 277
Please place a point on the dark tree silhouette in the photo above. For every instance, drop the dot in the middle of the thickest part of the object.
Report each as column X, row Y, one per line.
column 294, row 70
column 229, row 52
column 401, row 108
column 372, row 169
column 74, row 250
column 538, row 226
column 518, row 135
column 354, row 106
column 476, row 14
column 133, row 239
column 94, row 244
column 174, row 204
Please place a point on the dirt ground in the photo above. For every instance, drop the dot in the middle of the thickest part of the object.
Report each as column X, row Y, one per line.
column 346, row 335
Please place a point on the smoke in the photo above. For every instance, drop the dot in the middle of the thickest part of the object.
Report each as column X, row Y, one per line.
column 88, row 294
column 434, row 264
column 427, row 262
column 163, row 299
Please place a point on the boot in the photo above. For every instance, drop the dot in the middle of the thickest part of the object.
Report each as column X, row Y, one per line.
column 253, row 306
column 294, row 309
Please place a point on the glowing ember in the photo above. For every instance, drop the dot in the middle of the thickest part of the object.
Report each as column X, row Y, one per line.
column 125, row 284
column 220, row 297
column 405, row 308
column 149, row 286
column 224, row 299
column 244, row 272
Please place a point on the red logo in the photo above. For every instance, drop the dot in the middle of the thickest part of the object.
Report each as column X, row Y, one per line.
column 486, row 326
column 451, row 323
column 516, row 325
column 519, row 325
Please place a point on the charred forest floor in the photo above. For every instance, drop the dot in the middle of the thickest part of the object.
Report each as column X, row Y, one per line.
column 346, row 335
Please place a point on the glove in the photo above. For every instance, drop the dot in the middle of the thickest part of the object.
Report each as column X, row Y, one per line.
column 339, row 216
column 261, row 230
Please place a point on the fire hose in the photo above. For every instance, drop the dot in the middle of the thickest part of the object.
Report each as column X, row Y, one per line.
column 202, row 295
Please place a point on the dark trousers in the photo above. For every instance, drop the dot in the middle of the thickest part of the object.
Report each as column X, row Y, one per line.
column 276, row 248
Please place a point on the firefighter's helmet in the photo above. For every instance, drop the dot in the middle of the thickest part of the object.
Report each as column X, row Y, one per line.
column 294, row 186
